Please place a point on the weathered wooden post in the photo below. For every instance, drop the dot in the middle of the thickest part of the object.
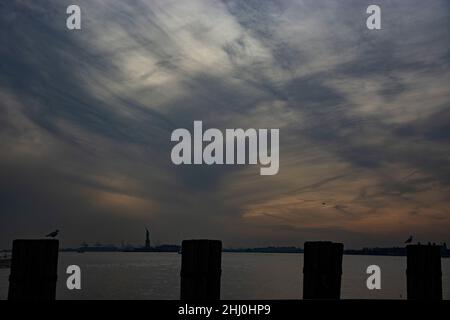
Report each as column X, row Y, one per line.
column 423, row 272
column 201, row 270
column 322, row 270
column 33, row 270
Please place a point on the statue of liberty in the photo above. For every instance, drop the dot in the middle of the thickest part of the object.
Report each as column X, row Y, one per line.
column 147, row 239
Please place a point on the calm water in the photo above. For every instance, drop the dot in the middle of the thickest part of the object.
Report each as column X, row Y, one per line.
column 244, row 276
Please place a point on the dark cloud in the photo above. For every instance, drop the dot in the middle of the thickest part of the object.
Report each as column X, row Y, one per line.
column 87, row 116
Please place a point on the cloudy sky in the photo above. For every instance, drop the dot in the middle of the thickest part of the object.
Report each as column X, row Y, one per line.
column 364, row 119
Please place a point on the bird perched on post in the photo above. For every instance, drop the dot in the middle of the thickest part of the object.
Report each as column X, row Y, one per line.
column 409, row 240
column 53, row 234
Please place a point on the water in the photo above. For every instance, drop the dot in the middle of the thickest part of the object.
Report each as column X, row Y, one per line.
column 244, row 276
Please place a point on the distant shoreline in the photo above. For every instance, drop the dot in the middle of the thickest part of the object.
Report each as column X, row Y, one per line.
column 392, row 252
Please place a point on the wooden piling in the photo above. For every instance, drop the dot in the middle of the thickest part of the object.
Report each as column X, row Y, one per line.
column 201, row 270
column 322, row 270
column 33, row 270
column 424, row 273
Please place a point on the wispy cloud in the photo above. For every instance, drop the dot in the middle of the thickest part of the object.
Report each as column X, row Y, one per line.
column 87, row 116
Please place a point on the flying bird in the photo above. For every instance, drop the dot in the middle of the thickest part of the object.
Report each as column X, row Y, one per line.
column 53, row 234
column 409, row 239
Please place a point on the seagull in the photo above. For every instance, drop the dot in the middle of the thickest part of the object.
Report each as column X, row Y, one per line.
column 409, row 239
column 53, row 234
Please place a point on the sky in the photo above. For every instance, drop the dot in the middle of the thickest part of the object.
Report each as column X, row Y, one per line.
column 87, row 115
